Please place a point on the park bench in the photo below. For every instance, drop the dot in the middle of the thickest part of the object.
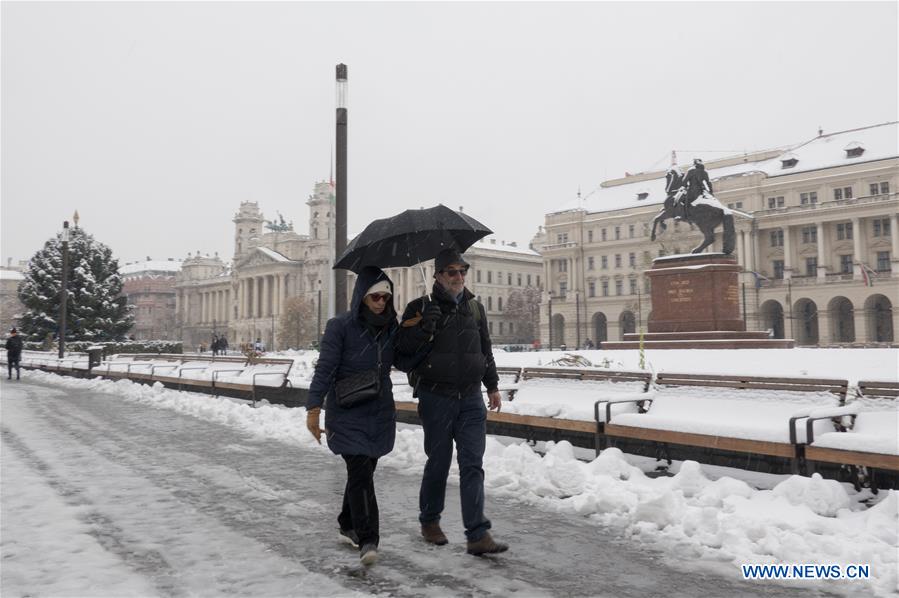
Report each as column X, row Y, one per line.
column 878, row 388
column 737, row 381
column 586, row 374
column 737, row 428
column 863, row 443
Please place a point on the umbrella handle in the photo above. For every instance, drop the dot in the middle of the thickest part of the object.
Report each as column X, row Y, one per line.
column 424, row 280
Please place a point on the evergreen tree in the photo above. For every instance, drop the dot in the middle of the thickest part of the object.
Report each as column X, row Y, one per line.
column 96, row 309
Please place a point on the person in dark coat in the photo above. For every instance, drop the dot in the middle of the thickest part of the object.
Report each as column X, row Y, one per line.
column 447, row 336
column 13, row 352
column 366, row 432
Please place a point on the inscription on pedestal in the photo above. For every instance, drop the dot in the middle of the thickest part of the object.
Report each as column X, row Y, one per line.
column 695, row 293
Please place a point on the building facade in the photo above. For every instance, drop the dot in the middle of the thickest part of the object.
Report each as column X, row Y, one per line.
column 819, row 245
column 244, row 300
column 149, row 287
column 10, row 306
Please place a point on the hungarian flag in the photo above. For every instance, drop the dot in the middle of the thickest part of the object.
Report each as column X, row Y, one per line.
column 868, row 275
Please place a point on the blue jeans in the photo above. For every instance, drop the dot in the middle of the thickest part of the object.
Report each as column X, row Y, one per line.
column 463, row 420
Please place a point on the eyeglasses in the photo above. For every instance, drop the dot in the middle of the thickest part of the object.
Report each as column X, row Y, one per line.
column 378, row 297
column 452, row 272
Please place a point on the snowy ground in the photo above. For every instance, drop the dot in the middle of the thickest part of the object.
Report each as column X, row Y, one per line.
column 119, row 489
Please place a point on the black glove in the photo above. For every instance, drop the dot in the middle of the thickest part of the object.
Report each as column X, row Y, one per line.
column 430, row 316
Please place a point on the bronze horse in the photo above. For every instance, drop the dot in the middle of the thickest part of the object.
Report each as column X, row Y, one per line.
column 706, row 218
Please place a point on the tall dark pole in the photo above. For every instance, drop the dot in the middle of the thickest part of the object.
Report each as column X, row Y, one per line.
column 318, row 331
column 64, row 295
column 340, row 291
column 790, row 304
column 744, row 303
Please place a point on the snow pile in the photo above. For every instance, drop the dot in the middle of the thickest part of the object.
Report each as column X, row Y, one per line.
column 801, row 520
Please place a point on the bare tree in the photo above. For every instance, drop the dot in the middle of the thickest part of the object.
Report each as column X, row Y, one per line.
column 298, row 325
column 523, row 309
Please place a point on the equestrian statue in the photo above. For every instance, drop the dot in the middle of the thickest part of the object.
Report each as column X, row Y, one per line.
column 689, row 198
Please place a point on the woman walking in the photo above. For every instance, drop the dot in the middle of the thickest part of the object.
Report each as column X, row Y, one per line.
column 352, row 380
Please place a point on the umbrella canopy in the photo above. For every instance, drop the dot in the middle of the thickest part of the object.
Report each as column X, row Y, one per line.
column 411, row 237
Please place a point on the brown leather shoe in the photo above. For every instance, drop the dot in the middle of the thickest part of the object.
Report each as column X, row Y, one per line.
column 486, row 545
column 432, row 534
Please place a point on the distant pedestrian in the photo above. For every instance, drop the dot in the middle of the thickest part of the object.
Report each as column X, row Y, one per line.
column 352, row 380
column 13, row 352
column 223, row 345
column 259, row 346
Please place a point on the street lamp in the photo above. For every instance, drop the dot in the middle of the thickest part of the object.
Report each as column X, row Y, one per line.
column 318, row 330
column 340, row 159
column 64, row 295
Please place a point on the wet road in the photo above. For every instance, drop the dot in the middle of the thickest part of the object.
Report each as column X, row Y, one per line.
column 280, row 500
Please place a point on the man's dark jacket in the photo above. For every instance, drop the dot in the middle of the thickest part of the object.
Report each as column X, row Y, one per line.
column 347, row 347
column 458, row 357
column 14, row 348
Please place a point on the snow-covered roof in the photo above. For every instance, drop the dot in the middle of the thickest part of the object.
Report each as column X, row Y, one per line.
column 879, row 142
column 274, row 254
column 826, row 151
column 11, row 275
column 151, row 266
column 493, row 245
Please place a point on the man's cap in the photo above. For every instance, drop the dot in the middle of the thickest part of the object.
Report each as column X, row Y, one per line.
column 382, row 286
column 447, row 257
column 697, row 161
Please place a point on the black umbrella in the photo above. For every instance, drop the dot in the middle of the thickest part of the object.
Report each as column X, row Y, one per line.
column 411, row 237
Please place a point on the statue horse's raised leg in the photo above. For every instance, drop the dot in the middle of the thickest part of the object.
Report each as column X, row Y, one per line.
column 659, row 221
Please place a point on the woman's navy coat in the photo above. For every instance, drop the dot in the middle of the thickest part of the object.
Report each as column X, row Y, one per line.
column 347, row 347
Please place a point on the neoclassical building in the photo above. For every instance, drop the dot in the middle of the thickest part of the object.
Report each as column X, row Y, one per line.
column 820, row 250
column 244, row 299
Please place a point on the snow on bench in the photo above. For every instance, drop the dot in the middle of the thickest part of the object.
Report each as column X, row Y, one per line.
column 572, row 399
column 870, row 438
column 765, row 427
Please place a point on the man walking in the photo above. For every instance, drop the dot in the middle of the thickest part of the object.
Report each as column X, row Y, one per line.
column 446, row 334
column 13, row 352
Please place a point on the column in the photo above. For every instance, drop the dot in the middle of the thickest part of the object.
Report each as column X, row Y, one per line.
column 266, row 297
column 823, row 256
column 858, row 318
column 857, row 255
column 241, row 299
column 894, row 259
column 824, row 333
column 258, row 296
column 202, row 307
column 788, row 253
column 741, row 249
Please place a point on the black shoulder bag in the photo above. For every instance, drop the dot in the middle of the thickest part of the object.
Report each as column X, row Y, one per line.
column 360, row 387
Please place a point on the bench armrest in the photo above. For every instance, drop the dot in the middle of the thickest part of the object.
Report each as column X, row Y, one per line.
column 809, row 423
column 610, row 402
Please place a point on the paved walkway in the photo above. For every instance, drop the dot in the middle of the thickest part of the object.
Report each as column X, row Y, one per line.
column 282, row 501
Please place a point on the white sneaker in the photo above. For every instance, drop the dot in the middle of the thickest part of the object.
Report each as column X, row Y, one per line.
column 368, row 554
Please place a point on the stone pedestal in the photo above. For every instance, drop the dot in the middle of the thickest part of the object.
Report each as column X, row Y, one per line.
column 696, row 305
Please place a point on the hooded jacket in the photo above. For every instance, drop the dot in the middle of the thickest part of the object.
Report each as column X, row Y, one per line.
column 347, row 347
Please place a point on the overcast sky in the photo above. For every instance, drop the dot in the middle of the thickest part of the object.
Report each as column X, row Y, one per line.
column 155, row 120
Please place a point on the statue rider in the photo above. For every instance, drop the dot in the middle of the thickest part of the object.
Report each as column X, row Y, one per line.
column 696, row 182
